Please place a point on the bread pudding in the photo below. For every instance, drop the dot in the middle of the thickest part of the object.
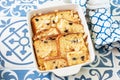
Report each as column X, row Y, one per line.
column 59, row 40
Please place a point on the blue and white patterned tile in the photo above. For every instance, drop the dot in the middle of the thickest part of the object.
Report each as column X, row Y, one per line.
column 90, row 74
column 102, row 59
column 42, row 1
column 8, row 74
column 17, row 7
column 115, row 6
column 118, row 73
column 14, row 39
column 116, row 58
column 98, row 74
column 93, row 74
column 115, row 9
column 84, row 74
column 27, row 74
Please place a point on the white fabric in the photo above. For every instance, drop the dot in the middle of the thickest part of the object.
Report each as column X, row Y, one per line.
column 95, row 4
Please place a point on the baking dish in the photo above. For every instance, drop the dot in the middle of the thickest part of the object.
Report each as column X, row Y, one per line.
column 46, row 9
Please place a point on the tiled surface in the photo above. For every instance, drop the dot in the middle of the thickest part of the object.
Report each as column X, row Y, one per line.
column 115, row 9
column 115, row 6
column 16, row 59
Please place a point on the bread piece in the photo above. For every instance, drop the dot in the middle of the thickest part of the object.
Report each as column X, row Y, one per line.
column 45, row 33
column 40, row 62
column 45, row 48
column 72, row 43
column 55, row 64
column 68, row 15
column 66, row 26
column 79, row 57
column 42, row 22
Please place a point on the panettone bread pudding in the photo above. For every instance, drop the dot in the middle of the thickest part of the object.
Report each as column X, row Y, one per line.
column 59, row 40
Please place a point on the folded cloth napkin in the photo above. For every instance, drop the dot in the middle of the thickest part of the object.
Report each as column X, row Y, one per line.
column 105, row 31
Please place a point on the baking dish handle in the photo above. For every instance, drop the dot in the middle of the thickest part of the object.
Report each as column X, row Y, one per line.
column 67, row 70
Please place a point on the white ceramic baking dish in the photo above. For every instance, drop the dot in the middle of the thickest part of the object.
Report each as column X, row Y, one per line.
column 71, row 69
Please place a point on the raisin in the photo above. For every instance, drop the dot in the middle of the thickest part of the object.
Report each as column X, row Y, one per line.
column 45, row 41
column 48, row 23
column 66, row 31
column 53, row 22
column 36, row 19
column 51, row 38
column 82, row 58
column 70, row 23
column 72, row 49
column 74, row 41
column 74, row 58
column 53, row 61
column 37, row 51
column 56, row 67
column 64, row 35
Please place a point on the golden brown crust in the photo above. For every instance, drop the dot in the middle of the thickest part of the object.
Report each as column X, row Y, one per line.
column 66, row 26
column 45, row 21
column 55, row 64
column 71, row 43
column 42, row 22
column 45, row 33
column 70, row 15
column 44, row 48
column 75, row 58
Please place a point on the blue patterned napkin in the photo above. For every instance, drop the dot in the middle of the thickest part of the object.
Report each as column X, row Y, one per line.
column 105, row 31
